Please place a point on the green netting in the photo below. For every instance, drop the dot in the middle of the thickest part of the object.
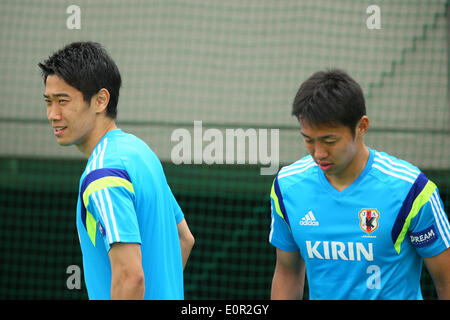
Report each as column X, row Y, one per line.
column 230, row 64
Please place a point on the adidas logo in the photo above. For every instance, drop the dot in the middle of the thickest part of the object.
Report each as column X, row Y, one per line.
column 309, row 220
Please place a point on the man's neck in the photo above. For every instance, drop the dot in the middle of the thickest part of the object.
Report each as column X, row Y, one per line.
column 352, row 172
column 99, row 131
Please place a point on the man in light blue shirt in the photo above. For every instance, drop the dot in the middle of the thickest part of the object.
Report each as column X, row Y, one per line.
column 133, row 235
column 359, row 221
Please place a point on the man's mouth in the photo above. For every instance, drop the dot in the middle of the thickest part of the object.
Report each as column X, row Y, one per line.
column 325, row 166
column 59, row 130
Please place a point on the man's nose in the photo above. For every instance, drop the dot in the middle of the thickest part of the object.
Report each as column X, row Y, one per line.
column 320, row 152
column 53, row 112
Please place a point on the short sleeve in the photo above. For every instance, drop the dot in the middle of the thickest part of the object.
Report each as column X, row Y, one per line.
column 108, row 196
column 280, row 233
column 429, row 232
column 179, row 216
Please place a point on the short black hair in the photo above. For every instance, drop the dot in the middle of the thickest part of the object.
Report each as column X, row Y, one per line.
column 87, row 67
column 330, row 97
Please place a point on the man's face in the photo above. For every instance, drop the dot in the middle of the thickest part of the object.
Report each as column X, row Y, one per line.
column 332, row 147
column 71, row 118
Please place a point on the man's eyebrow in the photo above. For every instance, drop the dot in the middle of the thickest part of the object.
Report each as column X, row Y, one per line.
column 57, row 95
column 305, row 135
column 332, row 136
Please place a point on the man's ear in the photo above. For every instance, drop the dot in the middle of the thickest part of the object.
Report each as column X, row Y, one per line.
column 363, row 126
column 101, row 100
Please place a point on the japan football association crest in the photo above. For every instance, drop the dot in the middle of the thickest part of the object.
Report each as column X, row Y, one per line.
column 369, row 220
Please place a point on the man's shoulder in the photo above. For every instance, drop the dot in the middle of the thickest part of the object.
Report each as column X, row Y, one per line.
column 391, row 168
column 125, row 150
column 296, row 172
column 115, row 152
column 380, row 156
column 126, row 143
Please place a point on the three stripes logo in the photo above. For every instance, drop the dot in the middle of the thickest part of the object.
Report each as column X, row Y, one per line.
column 309, row 220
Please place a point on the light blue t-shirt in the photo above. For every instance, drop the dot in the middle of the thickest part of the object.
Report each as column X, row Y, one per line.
column 367, row 241
column 124, row 197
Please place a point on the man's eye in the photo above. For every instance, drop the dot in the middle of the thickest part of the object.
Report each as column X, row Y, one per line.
column 330, row 142
column 62, row 101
